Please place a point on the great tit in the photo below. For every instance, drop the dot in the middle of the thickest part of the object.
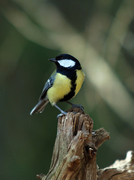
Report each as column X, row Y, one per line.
column 63, row 84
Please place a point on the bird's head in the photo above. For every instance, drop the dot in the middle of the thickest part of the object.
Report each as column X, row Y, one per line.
column 66, row 61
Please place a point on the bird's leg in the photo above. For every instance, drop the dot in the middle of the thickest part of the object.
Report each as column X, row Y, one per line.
column 62, row 112
column 76, row 105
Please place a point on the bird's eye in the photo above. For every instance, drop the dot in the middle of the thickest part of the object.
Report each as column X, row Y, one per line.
column 66, row 63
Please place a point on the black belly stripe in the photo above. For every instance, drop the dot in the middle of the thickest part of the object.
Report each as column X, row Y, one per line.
column 73, row 87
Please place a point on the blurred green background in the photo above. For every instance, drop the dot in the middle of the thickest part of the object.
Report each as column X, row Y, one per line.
column 101, row 35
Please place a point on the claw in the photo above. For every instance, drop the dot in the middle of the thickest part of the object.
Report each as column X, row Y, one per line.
column 59, row 115
column 76, row 105
column 79, row 106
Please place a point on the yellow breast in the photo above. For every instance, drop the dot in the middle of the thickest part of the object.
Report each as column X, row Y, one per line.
column 60, row 88
column 79, row 81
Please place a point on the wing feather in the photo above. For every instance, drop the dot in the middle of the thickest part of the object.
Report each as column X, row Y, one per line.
column 48, row 85
column 43, row 100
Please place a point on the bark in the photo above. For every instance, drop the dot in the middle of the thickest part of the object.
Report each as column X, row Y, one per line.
column 74, row 154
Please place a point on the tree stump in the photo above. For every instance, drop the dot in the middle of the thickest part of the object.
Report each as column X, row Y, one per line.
column 76, row 145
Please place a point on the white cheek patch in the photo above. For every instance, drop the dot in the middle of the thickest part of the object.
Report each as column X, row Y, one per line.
column 66, row 63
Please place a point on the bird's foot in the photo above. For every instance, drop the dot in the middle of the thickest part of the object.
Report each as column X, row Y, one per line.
column 76, row 105
column 65, row 113
column 62, row 114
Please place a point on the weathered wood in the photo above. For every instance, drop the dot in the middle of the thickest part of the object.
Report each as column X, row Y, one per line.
column 74, row 154
column 120, row 170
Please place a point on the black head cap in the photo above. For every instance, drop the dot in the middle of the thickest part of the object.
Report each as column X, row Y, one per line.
column 66, row 61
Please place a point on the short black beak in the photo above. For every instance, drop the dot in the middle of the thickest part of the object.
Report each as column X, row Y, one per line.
column 52, row 59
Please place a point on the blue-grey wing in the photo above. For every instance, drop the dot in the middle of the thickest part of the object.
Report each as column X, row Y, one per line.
column 48, row 85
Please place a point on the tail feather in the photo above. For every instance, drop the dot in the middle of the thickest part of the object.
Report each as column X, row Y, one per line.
column 39, row 107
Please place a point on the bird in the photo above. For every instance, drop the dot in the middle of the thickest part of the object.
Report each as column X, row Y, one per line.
column 64, row 83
